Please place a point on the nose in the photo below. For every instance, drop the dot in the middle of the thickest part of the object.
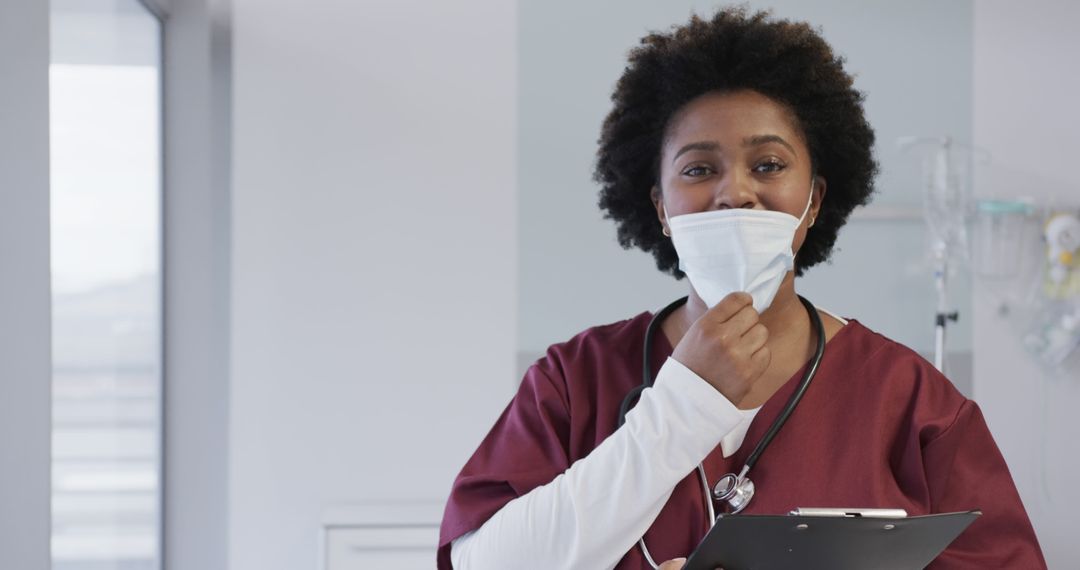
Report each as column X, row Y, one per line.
column 734, row 191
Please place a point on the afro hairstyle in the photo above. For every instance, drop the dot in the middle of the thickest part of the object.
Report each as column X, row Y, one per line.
column 788, row 62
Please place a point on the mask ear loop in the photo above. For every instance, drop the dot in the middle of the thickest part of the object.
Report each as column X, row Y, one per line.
column 809, row 201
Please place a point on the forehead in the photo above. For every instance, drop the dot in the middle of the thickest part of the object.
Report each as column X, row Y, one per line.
column 731, row 116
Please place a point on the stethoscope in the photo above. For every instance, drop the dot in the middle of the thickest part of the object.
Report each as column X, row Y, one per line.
column 734, row 491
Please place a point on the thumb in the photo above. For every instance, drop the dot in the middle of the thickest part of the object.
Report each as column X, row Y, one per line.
column 674, row 564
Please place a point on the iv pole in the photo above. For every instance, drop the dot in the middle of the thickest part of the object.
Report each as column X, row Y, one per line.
column 941, row 180
column 943, row 201
column 943, row 315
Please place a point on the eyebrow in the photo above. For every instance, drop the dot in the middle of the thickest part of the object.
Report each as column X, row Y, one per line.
column 702, row 145
column 758, row 140
column 755, row 140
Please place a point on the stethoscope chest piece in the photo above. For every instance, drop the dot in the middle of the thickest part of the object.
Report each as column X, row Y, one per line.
column 733, row 492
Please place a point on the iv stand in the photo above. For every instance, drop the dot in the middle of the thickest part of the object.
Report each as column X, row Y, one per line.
column 944, row 208
column 943, row 315
column 940, row 248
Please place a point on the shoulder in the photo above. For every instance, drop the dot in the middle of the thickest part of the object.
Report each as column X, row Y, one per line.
column 596, row 346
column 902, row 379
column 594, row 367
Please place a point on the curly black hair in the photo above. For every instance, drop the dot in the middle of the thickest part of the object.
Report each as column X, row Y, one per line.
column 789, row 62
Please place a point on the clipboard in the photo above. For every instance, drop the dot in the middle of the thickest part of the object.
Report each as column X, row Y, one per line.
column 775, row 542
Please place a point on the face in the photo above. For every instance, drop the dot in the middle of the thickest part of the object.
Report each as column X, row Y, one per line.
column 736, row 150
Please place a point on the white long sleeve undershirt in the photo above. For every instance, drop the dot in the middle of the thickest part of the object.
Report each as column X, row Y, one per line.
column 591, row 514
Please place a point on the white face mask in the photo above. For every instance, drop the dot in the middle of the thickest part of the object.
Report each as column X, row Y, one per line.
column 723, row 251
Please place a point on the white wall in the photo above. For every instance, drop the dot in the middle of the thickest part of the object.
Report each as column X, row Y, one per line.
column 197, row 217
column 912, row 59
column 373, row 257
column 25, row 303
column 1026, row 116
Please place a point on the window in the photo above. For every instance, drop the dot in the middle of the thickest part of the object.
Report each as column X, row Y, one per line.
column 105, row 114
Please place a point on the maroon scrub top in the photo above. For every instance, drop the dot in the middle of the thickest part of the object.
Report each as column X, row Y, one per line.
column 879, row 426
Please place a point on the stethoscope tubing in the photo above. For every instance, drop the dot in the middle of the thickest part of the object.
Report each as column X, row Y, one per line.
column 793, row 401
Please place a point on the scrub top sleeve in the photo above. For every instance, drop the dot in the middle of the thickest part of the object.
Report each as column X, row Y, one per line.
column 527, row 447
column 966, row 471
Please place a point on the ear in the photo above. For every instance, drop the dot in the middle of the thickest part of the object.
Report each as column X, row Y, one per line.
column 820, row 187
column 657, row 197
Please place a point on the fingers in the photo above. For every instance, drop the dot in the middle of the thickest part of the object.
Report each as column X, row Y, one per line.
column 741, row 322
column 727, row 346
column 732, row 318
column 756, row 337
column 728, row 306
column 760, row 361
column 675, row 564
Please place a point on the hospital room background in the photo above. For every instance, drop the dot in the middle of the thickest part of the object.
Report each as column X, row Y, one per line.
column 272, row 268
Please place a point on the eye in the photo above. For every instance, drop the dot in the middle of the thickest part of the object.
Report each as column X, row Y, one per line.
column 697, row 171
column 770, row 166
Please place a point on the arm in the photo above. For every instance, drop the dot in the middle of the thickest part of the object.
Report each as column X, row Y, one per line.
column 591, row 514
column 965, row 471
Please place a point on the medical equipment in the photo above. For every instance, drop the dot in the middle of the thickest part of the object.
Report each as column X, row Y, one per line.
column 1062, row 233
column 1026, row 256
column 1006, row 239
column 946, row 207
column 735, row 491
column 1054, row 333
column 1002, row 232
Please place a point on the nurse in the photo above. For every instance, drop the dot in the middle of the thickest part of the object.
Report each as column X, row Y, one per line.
column 734, row 152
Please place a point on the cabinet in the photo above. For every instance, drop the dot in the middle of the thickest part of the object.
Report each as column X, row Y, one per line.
column 398, row 536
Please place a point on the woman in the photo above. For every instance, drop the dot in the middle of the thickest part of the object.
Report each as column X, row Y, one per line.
column 735, row 151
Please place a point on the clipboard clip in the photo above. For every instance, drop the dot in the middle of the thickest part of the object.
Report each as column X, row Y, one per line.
column 854, row 513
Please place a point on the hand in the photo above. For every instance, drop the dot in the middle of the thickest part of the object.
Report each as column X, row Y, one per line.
column 674, row 564
column 726, row 346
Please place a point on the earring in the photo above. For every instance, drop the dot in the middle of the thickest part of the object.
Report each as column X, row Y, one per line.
column 667, row 232
column 811, row 223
